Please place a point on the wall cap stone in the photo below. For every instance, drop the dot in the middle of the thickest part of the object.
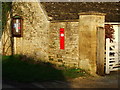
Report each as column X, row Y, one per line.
column 73, row 20
column 92, row 13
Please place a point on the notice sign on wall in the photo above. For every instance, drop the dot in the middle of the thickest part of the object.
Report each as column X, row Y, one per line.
column 17, row 26
column 62, row 38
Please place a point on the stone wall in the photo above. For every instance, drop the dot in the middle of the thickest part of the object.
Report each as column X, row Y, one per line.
column 89, row 23
column 34, row 42
column 70, row 55
column 41, row 38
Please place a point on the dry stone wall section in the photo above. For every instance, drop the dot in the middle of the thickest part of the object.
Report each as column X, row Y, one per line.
column 34, row 42
column 70, row 55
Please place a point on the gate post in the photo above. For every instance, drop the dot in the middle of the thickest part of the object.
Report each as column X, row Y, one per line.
column 100, row 50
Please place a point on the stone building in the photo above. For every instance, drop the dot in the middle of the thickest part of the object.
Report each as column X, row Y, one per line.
column 41, row 31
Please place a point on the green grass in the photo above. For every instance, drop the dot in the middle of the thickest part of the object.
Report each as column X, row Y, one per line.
column 17, row 69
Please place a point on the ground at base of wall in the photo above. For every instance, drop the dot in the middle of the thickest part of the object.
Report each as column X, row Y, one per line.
column 24, row 69
column 108, row 81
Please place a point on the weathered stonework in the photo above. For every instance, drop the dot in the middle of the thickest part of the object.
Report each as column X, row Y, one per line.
column 70, row 55
column 41, row 37
column 34, row 42
column 88, row 24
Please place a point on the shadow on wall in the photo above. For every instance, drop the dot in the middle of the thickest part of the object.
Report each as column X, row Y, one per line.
column 21, row 71
column 5, row 37
column 25, row 69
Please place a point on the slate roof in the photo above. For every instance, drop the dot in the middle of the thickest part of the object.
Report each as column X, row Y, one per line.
column 70, row 10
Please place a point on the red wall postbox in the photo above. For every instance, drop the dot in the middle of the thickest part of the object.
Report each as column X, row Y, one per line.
column 17, row 26
column 62, row 38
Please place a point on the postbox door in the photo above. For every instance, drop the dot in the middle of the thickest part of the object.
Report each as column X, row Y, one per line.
column 62, row 38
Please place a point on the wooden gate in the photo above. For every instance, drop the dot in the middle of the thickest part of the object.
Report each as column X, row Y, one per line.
column 112, row 56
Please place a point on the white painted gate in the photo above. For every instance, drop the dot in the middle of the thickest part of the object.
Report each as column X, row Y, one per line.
column 112, row 56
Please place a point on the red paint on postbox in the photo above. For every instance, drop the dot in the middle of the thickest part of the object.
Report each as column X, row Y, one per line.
column 62, row 38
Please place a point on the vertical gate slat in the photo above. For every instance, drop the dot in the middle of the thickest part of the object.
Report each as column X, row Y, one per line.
column 107, row 56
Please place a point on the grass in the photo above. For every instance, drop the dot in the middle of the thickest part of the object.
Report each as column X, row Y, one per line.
column 17, row 69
